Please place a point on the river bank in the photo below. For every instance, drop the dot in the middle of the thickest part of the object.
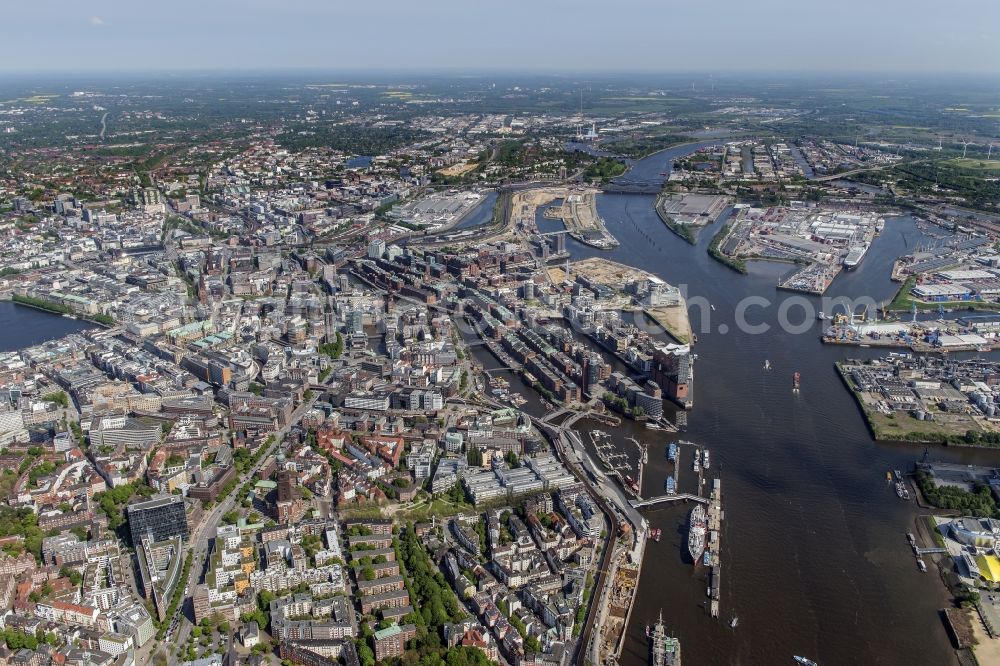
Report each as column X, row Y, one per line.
column 684, row 231
column 790, row 461
column 946, row 430
column 715, row 251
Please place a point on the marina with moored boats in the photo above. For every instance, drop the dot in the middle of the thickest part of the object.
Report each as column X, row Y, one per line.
column 703, row 542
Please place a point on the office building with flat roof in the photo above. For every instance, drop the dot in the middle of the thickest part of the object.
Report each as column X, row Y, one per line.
column 157, row 519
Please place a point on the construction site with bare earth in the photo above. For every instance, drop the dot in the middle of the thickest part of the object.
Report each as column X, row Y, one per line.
column 669, row 313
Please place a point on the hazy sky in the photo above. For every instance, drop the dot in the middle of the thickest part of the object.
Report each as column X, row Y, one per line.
column 511, row 35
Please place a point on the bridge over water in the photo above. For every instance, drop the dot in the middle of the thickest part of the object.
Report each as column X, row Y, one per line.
column 634, row 187
column 652, row 501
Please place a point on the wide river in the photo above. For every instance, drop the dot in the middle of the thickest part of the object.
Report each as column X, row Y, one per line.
column 815, row 557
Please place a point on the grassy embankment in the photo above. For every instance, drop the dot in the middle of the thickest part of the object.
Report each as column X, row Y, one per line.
column 715, row 250
column 904, row 301
column 59, row 308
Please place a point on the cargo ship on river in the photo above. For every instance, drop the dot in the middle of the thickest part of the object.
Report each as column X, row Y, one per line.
column 854, row 256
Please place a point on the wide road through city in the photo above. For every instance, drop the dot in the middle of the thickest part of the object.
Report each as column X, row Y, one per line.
column 210, row 522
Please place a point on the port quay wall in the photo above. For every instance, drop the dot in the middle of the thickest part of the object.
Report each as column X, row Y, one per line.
column 640, row 553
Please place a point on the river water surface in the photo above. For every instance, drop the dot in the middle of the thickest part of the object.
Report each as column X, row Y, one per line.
column 815, row 558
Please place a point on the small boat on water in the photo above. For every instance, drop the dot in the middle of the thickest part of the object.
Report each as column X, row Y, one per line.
column 804, row 661
column 922, row 565
column 705, row 462
column 767, row 364
column 706, row 558
column 735, row 621
column 888, row 476
column 697, row 464
column 655, row 533
column 795, row 382
column 672, row 452
column 670, row 486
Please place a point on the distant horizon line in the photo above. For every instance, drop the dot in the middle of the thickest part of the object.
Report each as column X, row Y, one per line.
column 480, row 72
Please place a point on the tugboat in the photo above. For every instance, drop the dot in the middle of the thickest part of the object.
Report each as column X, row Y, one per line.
column 795, row 382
